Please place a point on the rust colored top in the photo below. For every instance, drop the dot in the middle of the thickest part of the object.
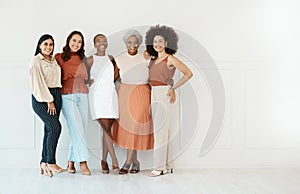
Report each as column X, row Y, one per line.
column 74, row 74
column 160, row 74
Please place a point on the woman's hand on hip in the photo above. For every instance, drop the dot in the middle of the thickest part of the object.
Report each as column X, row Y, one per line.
column 172, row 95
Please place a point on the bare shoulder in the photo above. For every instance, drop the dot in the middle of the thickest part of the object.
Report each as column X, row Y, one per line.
column 172, row 60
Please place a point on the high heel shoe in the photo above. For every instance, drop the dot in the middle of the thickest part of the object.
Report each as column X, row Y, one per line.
column 155, row 173
column 171, row 170
column 41, row 169
column 115, row 169
column 45, row 170
column 125, row 168
column 104, row 166
column 70, row 167
column 84, row 169
column 135, row 168
column 55, row 169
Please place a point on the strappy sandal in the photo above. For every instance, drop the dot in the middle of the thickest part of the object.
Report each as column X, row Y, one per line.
column 45, row 170
column 104, row 166
column 124, row 169
column 155, row 173
column 135, row 168
column 56, row 171
column 115, row 169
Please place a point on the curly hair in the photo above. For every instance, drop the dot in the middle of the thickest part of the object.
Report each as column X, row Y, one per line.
column 66, row 55
column 167, row 33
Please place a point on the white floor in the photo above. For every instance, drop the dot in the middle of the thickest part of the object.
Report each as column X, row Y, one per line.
column 206, row 181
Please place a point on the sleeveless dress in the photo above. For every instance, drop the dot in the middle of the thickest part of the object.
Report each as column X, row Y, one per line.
column 102, row 95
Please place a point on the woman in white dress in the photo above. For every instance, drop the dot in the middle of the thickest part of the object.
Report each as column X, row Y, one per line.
column 103, row 97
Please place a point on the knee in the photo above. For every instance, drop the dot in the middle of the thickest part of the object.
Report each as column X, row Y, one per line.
column 54, row 125
column 106, row 127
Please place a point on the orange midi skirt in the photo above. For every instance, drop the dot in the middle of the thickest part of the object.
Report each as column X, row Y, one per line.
column 134, row 129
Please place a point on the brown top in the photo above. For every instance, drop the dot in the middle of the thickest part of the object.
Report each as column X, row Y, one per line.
column 160, row 74
column 74, row 74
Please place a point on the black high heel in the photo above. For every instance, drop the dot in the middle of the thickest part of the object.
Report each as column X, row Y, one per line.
column 135, row 168
column 124, row 169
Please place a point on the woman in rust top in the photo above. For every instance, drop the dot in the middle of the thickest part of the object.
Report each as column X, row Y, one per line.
column 75, row 99
column 161, row 44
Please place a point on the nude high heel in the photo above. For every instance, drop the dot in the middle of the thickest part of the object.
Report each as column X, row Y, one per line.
column 70, row 167
column 84, row 168
column 155, row 173
column 104, row 166
column 57, row 171
column 45, row 170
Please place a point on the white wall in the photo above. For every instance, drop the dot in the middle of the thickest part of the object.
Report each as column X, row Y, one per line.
column 255, row 45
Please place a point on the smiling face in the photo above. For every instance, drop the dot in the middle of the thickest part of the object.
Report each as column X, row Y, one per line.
column 46, row 47
column 132, row 45
column 75, row 43
column 159, row 43
column 101, row 43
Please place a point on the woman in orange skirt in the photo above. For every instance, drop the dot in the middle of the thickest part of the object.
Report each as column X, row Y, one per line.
column 134, row 129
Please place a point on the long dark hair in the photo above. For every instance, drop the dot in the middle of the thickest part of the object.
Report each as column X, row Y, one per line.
column 66, row 55
column 167, row 33
column 42, row 39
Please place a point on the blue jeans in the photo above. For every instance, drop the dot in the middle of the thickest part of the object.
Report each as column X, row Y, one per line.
column 72, row 104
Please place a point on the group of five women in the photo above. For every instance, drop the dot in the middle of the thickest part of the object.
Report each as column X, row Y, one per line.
column 130, row 117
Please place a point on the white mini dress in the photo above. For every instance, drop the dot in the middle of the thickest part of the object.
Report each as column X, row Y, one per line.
column 103, row 97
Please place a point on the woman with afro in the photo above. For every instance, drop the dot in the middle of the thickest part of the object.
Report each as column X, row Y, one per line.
column 161, row 43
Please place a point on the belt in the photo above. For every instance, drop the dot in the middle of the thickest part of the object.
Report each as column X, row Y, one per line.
column 157, row 83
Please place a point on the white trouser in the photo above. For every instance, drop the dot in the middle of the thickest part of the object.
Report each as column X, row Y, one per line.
column 162, row 113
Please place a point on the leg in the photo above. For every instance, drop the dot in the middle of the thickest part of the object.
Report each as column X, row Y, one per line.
column 161, row 116
column 104, row 165
column 82, row 103
column 52, row 130
column 126, row 166
column 104, row 148
column 135, row 163
column 106, row 125
column 130, row 154
column 78, row 151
